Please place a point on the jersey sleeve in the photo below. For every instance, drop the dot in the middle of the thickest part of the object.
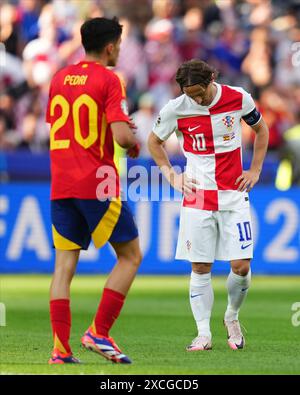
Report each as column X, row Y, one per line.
column 165, row 124
column 115, row 106
column 249, row 112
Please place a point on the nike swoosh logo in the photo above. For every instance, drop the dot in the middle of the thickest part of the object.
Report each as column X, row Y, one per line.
column 194, row 296
column 244, row 289
column 246, row 246
column 191, row 129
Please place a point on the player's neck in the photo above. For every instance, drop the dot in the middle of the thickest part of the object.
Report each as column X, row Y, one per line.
column 214, row 91
column 99, row 59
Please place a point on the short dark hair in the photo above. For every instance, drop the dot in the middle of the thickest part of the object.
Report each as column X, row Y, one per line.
column 195, row 72
column 96, row 33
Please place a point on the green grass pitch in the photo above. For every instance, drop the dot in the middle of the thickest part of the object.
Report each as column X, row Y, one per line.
column 155, row 326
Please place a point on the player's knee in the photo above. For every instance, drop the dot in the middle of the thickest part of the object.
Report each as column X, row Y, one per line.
column 241, row 268
column 64, row 271
column 133, row 258
column 63, row 277
column 137, row 258
column 201, row 268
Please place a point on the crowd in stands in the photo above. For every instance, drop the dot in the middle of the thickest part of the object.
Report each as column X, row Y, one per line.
column 254, row 44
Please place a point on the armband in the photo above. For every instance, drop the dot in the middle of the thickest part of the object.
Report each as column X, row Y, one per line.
column 252, row 118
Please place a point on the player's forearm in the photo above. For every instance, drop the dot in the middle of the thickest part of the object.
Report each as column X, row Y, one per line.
column 160, row 156
column 128, row 140
column 130, row 143
column 260, row 146
column 123, row 135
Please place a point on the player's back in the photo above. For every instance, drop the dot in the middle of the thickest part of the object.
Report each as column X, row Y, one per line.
column 83, row 100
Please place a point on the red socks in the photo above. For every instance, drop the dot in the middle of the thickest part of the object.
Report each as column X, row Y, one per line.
column 108, row 311
column 60, row 315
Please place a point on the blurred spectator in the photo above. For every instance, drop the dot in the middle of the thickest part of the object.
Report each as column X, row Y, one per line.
column 260, row 13
column 286, row 68
column 8, row 136
column 66, row 14
column 28, row 15
column 228, row 54
column 257, row 63
column 288, row 173
column 71, row 51
column 32, row 137
column 277, row 115
column 163, row 33
column 294, row 95
column 167, row 9
column 132, row 62
column 144, row 119
column 11, row 72
column 163, row 59
column 227, row 12
column 191, row 45
column 9, row 34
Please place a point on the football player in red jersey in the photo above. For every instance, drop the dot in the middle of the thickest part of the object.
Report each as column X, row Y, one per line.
column 87, row 112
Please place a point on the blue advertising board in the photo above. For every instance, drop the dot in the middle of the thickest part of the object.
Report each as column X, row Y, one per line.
column 26, row 244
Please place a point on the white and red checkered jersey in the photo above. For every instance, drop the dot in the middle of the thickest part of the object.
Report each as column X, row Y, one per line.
column 211, row 140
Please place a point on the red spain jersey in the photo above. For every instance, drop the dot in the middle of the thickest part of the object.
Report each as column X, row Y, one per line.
column 84, row 99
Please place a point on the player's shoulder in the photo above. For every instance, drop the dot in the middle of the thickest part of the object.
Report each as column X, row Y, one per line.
column 113, row 80
column 110, row 74
column 178, row 101
column 239, row 89
column 173, row 105
column 248, row 103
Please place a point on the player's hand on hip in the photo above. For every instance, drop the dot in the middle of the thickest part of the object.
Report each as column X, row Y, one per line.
column 247, row 180
column 189, row 185
column 181, row 182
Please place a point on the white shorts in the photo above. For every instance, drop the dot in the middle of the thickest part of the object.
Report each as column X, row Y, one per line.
column 208, row 235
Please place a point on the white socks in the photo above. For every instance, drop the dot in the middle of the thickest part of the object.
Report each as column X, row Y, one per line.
column 237, row 287
column 201, row 299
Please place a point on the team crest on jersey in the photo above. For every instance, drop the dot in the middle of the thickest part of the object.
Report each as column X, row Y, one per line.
column 124, row 106
column 228, row 122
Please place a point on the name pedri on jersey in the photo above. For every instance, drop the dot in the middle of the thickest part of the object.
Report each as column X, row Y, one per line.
column 84, row 99
column 210, row 138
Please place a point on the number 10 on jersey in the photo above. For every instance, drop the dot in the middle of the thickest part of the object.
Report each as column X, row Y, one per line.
column 198, row 142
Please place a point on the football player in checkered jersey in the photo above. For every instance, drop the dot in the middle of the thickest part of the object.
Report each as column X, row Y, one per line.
column 215, row 221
